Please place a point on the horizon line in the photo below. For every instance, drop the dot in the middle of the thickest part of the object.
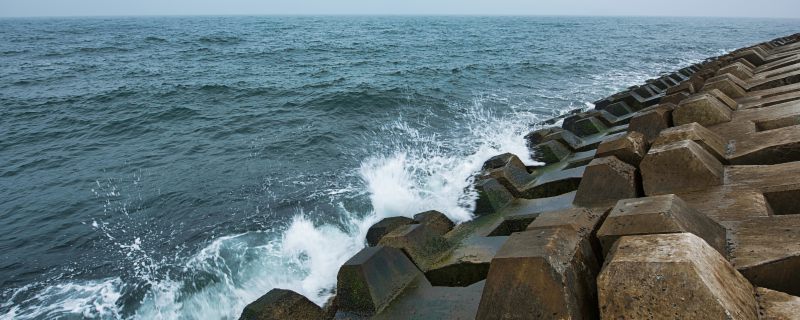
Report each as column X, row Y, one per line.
column 382, row 15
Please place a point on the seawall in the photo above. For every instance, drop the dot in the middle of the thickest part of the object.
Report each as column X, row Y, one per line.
column 678, row 198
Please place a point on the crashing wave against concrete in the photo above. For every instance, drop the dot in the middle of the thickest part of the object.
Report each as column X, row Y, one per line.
column 678, row 199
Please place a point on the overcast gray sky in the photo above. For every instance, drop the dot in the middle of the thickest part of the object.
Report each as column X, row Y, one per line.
column 726, row 8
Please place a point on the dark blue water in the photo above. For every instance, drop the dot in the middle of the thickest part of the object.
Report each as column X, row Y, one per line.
column 181, row 167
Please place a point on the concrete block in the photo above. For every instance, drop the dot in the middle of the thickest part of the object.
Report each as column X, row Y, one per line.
column 767, row 252
column 282, row 304
column 726, row 83
column 545, row 273
column 381, row 228
column 492, row 196
column 419, row 243
column 630, row 148
column 435, row 221
column 659, row 214
column 550, row 152
column 681, row 166
column 468, row 263
column 737, row 69
column 710, row 141
column 672, row 276
column 509, row 171
column 775, row 305
column 702, row 108
column 605, row 181
column 371, row 279
column 652, row 122
column 583, row 126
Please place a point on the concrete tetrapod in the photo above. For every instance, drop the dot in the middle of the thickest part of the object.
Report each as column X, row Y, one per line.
column 672, row 276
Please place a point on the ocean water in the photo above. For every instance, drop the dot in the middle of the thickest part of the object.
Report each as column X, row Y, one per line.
column 181, row 167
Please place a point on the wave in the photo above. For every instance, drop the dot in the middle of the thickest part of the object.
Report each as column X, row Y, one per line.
column 417, row 172
column 219, row 39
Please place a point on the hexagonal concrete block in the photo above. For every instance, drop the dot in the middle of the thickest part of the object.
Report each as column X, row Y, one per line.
column 776, row 305
column 767, row 251
column 702, row 108
column 550, row 152
column 422, row 245
column 680, row 166
column 605, row 181
column 724, row 98
column 737, row 69
column 436, row 221
column 509, row 170
column 751, row 56
column 726, row 83
column 630, row 148
column 282, row 304
column 386, row 225
column 709, row 140
column 544, row 273
column 583, row 125
column 672, row 276
column 492, row 196
column 371, row 279
column 651, row 123
column 659, row 214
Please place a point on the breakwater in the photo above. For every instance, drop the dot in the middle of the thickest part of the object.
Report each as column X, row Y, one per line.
column 677, row 198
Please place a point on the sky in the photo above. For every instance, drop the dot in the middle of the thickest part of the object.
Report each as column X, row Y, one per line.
column 703, row 8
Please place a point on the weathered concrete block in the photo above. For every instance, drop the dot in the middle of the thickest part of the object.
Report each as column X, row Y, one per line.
column 775, row 305
column 710, row 141
column 745, row 63
column 767, row 252
column 584, row 221
column 737, row 69
column 618, row 108
column 751, row 56
column 726, row 83
column 435, row 221
column 554, row 182
column 583, row 127
column 686, row 86
column 629, row 148
column 681, row 166
column 380, row 229
column 605, row 181
column 722, row 97
column 651, row 123
column 468, row 263
column 659, row 214
column 282, row 304
column 492, row 196
column 509, row 170
column 545, row 273
column 371, row 279
column 672, row 276
column 767, row 147
column 502, row 160
column 550, row 152
column 702, row 108
column 422, row 245
column 536, row 137
column 421, row 300
column 676, row 97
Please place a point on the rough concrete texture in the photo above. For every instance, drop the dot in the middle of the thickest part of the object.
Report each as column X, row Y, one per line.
column 702, row 108
column 371, row 279
column 605, row 181
column 386, row 225
column 437, row 222
column 629, row 148
column 681, row 166
column 767, row 251
column 282, row 304
column 544, row 273
column 650, row 123
column 775, row 305
column 659, row 214
column 672, row 276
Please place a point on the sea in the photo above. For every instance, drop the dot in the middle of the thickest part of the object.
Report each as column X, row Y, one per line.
column 181, row 167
